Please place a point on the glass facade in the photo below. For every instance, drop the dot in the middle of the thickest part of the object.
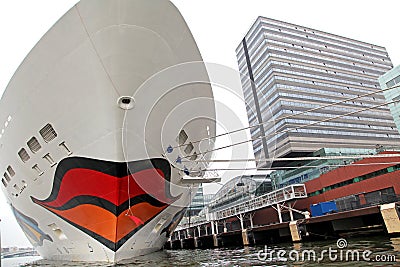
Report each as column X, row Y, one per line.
column 197, row 204
column 389, row 80
column 393, row 82
column 288, row 70
column 240, row 189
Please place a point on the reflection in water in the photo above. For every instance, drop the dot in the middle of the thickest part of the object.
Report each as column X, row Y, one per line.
column 379, row 246
column 297, row 246
column 395, row 242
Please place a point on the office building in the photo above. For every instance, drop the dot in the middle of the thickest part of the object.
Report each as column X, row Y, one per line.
column 288, row 69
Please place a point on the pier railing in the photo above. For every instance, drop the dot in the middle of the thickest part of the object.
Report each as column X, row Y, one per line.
column 291, row 192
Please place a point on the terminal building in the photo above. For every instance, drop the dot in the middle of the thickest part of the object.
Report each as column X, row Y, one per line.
column 292, row 76
column 362, row 183
column 327, row 159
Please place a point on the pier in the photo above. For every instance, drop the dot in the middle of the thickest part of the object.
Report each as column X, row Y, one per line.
column 252, row 222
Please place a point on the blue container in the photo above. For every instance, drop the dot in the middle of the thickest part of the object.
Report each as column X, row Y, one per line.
column 323, row 208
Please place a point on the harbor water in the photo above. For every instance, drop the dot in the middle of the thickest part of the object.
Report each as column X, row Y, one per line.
column 383, row 249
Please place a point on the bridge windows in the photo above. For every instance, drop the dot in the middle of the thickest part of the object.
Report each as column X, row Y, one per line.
column 23, row 155
column 48, row 133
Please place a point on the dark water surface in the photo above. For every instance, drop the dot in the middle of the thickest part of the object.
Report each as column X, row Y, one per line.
column 296, row 255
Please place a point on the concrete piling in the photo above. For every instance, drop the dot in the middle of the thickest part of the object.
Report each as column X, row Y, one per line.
column 245, row 238
column 390, row 216
column 294, row 231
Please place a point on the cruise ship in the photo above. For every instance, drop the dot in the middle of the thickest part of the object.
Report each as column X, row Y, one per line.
column 99, row 131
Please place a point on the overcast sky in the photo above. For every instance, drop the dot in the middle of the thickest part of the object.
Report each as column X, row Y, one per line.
column 217, row 25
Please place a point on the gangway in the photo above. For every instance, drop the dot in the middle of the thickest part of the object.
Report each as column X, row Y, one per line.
column 276, row 197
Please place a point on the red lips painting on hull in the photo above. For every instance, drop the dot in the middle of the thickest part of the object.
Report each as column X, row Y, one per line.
column 110, row 201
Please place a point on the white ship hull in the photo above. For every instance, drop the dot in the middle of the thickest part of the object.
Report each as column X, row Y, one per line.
column 88, row 119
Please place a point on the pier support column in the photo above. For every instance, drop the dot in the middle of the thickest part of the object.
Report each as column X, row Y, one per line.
column 181, row 239
column 225, row 229
column 391, row 218
column 196, row 242
column 241, row 221
column 169, row 242
column 214, row 232
column 294, row 231
column 187, row 233
column 278, row 209
column 199, row 230
column 245, row 237
column 290, row 212
column 206, row 228
column 215, row 240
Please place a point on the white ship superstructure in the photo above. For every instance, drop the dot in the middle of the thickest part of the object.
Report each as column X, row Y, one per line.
column 99, row 128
